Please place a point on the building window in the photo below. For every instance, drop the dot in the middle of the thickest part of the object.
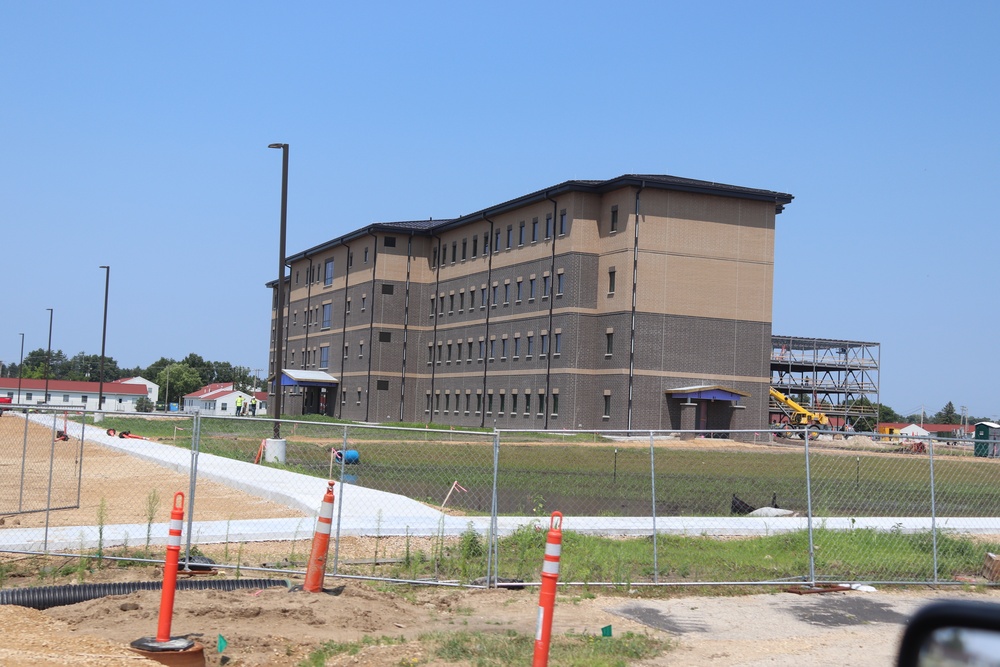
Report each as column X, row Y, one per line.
column 610, row 343
column 548, row 226
column 447, row 403
column 496, row 243
column 434, row 258
column 440, row 352
column 494, row 301
column 503, row 349
column 296, row 277
column 348, row 305
column 534, row 230
column 555, row 405
column 607, row 406
column 482, row 349
column 364, row 300
column 543, row 404
column 486, row 243
column 562, row 223
column 611, row 281
column 503, row 404
column 472, row 298
column 430, row 354
column 451, row 304
column 531, row 289
column 493, row 349
column 519, row 286
column 385, row 336
column 347, row 348
column 517, row 347
column 545, row 287
column 461, row 301
column 468, row 402
column 527, row 402
column 328, row 272
column 465, row 245
column 359, row 397
column 366, row 255
column 454, row 251
column 475, row 243
column 382, row 385
column 506, row 294
column 560, row 283
column 361, row 349
column 468, row 356
column 489, row 404
column 428, row 406
column 449, row 352
column 483, row 300
column 545, row 345
column 510, row 236
column 389, row 242
column 479, row 403
column 324, row 356
column 388, row 288
column 327, row 315
column 531, row 346
column 520, row 234
column 614, row 218
column 557, row 343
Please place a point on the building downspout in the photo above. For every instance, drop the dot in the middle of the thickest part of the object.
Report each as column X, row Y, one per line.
column 552, row 303
column 371, row 329
column 343, row 329
column 434, row 331
column 406, row 323
column 635, row 284
column 305, row 354
column 489, row 304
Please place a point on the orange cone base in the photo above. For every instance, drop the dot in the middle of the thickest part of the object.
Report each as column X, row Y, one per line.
column 189, row 653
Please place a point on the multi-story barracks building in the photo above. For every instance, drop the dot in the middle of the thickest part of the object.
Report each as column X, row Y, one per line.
column 640, row 302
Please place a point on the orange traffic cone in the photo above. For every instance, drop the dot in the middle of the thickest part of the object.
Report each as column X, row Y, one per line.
column 316, row 569
column 547, row 598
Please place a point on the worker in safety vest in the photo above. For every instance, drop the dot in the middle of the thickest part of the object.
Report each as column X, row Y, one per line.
column 253, row 406
column 239, row 405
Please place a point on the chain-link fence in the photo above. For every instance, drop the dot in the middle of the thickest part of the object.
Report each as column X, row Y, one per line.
column 471, row 507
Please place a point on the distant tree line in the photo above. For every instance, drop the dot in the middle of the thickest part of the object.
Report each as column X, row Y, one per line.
column 176, row 378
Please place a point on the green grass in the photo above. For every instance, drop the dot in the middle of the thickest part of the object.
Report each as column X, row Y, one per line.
column 488, row 649
column 541, row 472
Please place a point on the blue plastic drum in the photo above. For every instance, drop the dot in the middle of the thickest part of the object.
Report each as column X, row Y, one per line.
column 349, row 456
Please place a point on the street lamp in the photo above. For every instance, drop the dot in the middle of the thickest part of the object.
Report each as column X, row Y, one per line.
column 20, row 370
column 48, row 360
column 104, row 337
column 280, row 306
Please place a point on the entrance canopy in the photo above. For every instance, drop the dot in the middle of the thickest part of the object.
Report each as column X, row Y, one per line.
column 711, row 392
column 296, row 378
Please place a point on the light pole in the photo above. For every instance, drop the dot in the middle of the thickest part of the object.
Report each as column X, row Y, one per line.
column 20, row 370
column 48, row 360
column 104, row 337
column 280, row 305
column 166, row 394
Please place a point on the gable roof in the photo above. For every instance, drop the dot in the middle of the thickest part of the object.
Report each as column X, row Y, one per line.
column 210, row 389
column 76, row 386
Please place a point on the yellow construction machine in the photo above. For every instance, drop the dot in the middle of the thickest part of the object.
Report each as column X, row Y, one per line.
column 799, row 416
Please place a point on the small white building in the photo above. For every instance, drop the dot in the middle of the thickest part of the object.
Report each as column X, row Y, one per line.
column 72, row 394
column 152, row 389
column 218, row 399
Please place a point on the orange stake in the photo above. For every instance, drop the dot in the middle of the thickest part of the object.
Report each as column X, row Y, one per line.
column 547, row 598
column 170, row 569
column 316, row 569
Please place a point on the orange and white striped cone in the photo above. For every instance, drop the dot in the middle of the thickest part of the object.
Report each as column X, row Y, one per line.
column 316, row 569
column 163, row 641
column 547, row 598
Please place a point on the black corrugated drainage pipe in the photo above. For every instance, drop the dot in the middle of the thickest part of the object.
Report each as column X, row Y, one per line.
column 44, row 597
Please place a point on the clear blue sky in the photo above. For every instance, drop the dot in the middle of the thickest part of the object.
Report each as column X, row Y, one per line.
column 135, row 135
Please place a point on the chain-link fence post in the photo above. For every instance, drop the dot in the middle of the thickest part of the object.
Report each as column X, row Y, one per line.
column 193, row 477
column 652, row 485
column 340, row 507
column 934, row 548
column 493, row 558
column 809, row 513
column 48, row 497
column 24, row 460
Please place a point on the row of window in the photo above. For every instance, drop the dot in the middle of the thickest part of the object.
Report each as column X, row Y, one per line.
column 490, row 295
column 442, row 403
column 499, row 236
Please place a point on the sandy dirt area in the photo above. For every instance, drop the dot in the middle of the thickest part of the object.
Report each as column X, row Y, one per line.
column 123, row 482
column 274, row 626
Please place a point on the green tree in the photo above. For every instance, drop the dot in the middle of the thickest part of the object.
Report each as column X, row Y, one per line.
column 87, row 368
column 152, row 371
column 204, row 368
column 35, row 363
column 178, row 380
column 946, row 415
